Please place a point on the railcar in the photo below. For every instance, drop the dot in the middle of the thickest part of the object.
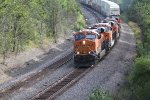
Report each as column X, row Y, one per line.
column 106, row 7
column 111, row 8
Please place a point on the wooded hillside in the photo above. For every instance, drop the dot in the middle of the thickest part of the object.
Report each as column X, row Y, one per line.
column 139, row 12
column 31, row 22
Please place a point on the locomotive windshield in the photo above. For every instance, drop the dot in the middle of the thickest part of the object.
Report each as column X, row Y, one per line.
column 79, row 37
column 90, row 36
column 82, row 36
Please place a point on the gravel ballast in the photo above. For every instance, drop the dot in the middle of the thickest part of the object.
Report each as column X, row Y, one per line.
column 25, row 93
column 110, row 73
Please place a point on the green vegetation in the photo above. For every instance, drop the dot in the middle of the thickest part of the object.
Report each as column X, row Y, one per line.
column 29, row 23
column 139, row 79
column 100, row 95
column 143, row 20
column 137, row 14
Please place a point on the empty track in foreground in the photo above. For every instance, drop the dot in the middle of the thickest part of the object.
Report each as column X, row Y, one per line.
column 32, row 79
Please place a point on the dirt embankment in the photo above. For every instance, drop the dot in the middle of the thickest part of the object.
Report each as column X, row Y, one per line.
column 30, row 60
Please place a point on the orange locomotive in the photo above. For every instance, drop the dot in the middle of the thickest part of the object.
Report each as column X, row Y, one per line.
column 115, row 25
column 113, row 28
column 117, row 19
column 92, row 44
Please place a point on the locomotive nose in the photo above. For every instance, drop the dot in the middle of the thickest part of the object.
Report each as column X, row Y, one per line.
column 85, row 47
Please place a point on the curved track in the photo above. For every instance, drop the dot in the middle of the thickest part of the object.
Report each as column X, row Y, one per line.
column 97, row 18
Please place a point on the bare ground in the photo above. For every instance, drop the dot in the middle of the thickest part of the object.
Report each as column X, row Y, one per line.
column 30, row 60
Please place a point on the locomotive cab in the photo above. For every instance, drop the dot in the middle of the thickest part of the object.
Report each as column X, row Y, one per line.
column 85, row 48
column 89, row 46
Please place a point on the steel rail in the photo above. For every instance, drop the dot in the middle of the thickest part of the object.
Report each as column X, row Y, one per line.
column 37, row 76
column 61, row 85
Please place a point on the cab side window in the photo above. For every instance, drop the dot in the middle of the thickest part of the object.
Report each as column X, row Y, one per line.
column 79, row 37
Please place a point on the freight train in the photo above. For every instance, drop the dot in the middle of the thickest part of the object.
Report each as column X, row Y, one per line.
column 93, row 43
column 105, row 7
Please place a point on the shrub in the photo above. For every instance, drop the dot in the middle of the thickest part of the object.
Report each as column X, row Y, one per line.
column 141, row 71
column 140, row 79
column 100, row 95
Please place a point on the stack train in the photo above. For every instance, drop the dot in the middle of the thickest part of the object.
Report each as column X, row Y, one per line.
column 93, row 43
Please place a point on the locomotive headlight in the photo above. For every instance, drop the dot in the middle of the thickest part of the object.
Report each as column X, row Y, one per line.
column 78, row 52
column 83, row 42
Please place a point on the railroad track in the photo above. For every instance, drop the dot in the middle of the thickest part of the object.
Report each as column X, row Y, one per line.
column 93, row 12
column 57, row 88
column 36, row 77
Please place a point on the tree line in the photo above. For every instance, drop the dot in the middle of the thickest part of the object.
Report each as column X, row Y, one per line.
column 139, row 12
column 32, row 21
